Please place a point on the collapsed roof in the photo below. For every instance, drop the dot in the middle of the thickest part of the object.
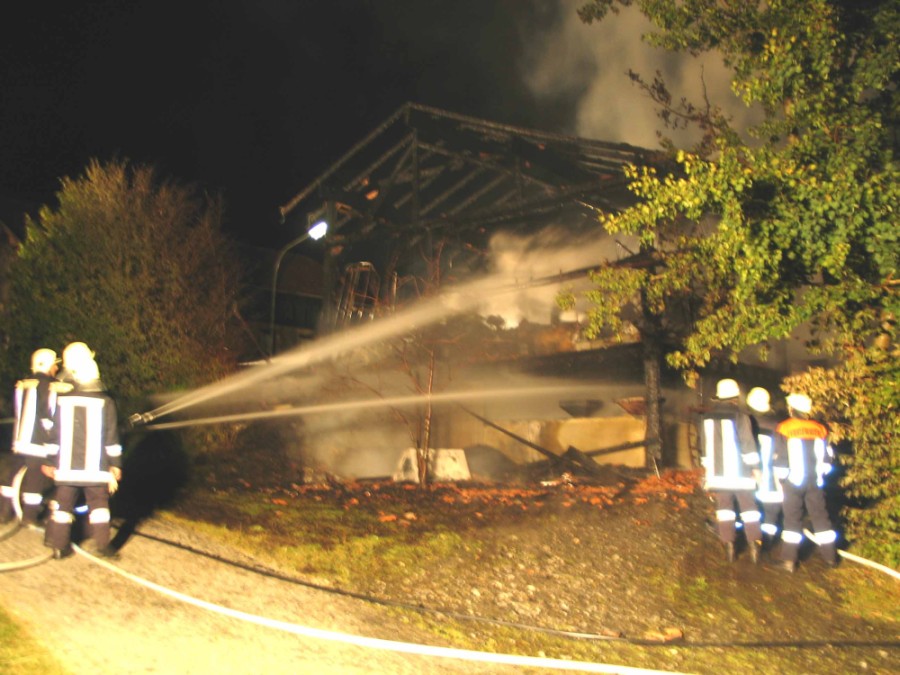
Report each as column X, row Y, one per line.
column 426, row 170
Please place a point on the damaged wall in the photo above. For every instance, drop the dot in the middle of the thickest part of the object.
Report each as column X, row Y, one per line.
column 585, row 434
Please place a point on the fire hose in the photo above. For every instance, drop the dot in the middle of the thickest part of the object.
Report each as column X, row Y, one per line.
column 29, row 562
column 448, row 652
column 378, row 643
column 608, row 637
column 857, row 559
column 17, row 492
column 141, row 418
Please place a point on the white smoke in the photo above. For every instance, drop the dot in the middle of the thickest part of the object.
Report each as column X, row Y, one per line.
column 553, row 251
column 590, row 62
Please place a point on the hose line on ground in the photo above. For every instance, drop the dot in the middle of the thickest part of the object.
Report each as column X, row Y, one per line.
column 379, row 643
column 617, row 637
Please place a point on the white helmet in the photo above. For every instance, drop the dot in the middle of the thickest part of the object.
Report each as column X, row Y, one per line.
column 76, row 353
column 85, row 371
column 727, row 388
column 758, row 400
column 43, row 360
column 799, row 402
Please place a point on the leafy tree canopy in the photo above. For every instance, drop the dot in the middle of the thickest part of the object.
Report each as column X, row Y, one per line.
column 134, row 266
column 795, row 220
column 791, row 223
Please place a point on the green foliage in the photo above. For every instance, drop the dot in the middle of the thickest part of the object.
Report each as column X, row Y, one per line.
column 22, row 653
column 134, row 266
column 755, row 233
column 860, row 398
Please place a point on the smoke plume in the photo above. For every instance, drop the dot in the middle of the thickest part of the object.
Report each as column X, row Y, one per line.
column 590, row 62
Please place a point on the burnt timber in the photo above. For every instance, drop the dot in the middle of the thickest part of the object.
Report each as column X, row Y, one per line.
column 426, row 171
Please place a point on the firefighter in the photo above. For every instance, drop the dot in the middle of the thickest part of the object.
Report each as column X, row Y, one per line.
column 84, row 456
column 73, row 353
column 34, row 402
column 768, row 488
column 729, row 458
column 803, row 457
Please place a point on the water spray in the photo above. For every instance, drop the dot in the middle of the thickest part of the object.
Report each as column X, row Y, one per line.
column 397, row 401
column 452, row 301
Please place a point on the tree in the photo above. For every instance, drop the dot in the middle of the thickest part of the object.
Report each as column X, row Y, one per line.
column 755, row 233
column 134, row 266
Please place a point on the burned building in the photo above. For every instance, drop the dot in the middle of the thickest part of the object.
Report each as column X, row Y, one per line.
column 431, row 198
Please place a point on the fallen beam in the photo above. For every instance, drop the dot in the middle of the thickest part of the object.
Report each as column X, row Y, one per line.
column 615, row 448
column 572, row 456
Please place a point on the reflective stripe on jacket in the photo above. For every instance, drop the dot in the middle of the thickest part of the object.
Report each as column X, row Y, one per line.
column 729, row 449
column 803, row 455
column 34, row 403
column 86, row 438
column 768, row 488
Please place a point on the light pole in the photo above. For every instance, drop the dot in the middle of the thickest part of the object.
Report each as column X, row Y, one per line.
column 317, row 231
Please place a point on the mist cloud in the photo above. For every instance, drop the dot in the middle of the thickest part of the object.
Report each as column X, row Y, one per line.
column 556, row 249
column 590, row 62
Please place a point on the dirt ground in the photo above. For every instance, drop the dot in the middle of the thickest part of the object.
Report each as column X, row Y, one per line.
column 626, row 559
column 96, row 621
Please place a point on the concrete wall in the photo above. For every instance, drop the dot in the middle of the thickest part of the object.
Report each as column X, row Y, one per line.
column 586, row 434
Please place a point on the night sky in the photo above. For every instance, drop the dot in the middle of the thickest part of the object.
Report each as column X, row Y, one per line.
column 255, row 98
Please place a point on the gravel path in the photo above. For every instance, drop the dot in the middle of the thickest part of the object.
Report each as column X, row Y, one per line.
column 95, row 621
column 642, row 565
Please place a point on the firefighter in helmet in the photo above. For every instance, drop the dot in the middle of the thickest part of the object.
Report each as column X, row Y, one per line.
column 729, row 459
column 768, row 489
column 802, row 459
column 85, row 455
column 34, row 402
column 74, row 354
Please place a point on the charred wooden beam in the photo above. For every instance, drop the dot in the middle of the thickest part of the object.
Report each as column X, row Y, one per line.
column 320, row 180
column 615, row 448
column 572, row 459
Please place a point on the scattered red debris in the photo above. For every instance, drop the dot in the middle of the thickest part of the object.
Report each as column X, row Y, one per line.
column 671, row 485
column 396, row 499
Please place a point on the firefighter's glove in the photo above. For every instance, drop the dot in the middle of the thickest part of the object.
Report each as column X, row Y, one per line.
column 115, row 474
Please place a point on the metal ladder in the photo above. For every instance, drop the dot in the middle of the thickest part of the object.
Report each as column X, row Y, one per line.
column 360, row 285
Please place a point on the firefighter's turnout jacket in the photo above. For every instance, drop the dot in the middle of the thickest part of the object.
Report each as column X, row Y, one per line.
column 34, row 406
column 85, row 439
column 768, row 488
column 803, row 456
column 729, row 448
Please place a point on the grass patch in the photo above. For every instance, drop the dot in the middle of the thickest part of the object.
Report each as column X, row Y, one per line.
column 333, row 545
column 362, row 542
column 22, row 654
column 870, row 588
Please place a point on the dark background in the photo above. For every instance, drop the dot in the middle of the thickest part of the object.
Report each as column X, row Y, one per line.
column 250, row 98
